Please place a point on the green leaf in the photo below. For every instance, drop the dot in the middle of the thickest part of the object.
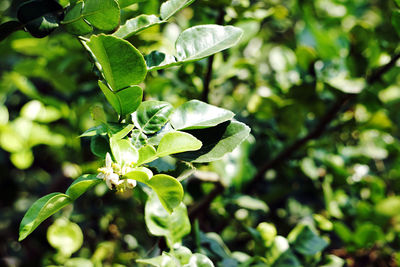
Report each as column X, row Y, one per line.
column 147, row 154
column 217, row 141
column 8, row 28
column 79, row 25
column 306, row 241
column 65, row 236
column 168, row 189
column 195, row 114
column 202, row 41
column 123, row 151
column 152, row 115
column 123, row 132
column 99, row 145
column 41, row 210
column 140, row 174
column 199, row 260
column 170, row 7
column 136, row 25
column 397, row 2
column 121, row 63
column 40, row 17
column 96, row 130
column 174, row 226
column 102, row 14
column 157, row 60
column 81, row 185
column 176, row 142
column 124, row 101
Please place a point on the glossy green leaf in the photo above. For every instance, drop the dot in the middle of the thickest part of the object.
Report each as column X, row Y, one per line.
column 147, row 154
column 81, row 185
column 123, row 151
column 41, row 210
column 174, row 226
column 202, row 41
column 81, row 262
column 152, row 115
column 170, row 7
column 136, row 25
column 65, row 236
column 99, row 145
column 124, row 101
column 96, row 130
column 195, row 114
column 40, row 17
column 306, row 241
column 102, row 14
column 123, row 132
column 8, row 28
column 77, row 25
column 177, row 142
column 157, row 60
column 168, row 189
column 121, row 63
column 217, row 141
column 140, row 174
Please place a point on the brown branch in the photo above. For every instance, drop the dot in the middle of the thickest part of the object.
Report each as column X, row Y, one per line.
column 202, row 205
column 319, row 129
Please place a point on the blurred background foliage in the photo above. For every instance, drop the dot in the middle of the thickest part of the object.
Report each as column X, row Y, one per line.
column 317, row 82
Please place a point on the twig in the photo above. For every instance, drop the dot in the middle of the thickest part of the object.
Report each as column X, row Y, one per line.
column 319, row 129
column 202, row 205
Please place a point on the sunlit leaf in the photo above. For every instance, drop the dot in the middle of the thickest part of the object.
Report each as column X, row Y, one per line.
column 102, row 14
column 120, row 62
column 136, row 25
column 170, row 7
column 81, row 185
column 41, row 210
column 195, row 114
column 65, row 236
column 177, row 142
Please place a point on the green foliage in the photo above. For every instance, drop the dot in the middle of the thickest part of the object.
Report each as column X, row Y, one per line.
column 315, row 182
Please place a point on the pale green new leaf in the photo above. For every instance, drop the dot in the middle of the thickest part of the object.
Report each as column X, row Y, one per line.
column 177, row 142
column 195, row 114
column 136, row 25
column 102, row 14
column 81, row 185
column 174, row 226
column 204, row 40
column 164, row 260
column 147, row 154
column 121, row 63
column 123, row 151
column 140, row 174
column 170, row 7
column 41, row 210
column 168, row 189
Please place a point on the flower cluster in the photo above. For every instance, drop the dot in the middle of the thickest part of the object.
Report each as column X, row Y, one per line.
column 111, row 174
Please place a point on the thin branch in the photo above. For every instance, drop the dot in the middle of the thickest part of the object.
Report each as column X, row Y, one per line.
column 319, row 129
column 374, row 76
column 203, row 205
